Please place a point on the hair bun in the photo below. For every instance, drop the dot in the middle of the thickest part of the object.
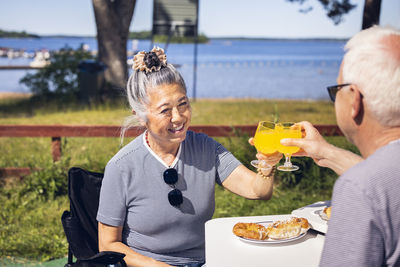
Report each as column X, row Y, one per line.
column 150, row 61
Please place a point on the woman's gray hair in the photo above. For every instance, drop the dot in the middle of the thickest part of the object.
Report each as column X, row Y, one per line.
column 372, row 62
column 138, row 84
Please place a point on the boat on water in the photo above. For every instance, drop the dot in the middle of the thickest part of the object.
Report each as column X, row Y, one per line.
column 41, row 59
column 11, row 53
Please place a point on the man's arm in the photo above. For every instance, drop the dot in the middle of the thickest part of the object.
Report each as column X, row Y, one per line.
column 324, row 154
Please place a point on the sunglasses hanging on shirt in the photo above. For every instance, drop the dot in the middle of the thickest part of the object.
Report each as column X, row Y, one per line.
column 175, row 197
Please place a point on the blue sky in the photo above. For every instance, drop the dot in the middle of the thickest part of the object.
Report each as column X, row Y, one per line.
column 217, row 18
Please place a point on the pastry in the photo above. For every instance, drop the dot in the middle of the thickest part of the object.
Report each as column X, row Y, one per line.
column 250, row 231
column 288, row 229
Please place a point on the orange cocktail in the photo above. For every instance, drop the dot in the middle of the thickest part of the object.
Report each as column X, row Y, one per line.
column 265, row 138
column 287, row 130
column 265, row 142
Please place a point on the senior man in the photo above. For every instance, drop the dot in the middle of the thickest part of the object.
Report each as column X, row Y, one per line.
column 364, row 229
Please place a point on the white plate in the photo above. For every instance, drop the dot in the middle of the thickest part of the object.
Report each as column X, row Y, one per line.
column 312, row 214
column 322, row 214
column 271, row 241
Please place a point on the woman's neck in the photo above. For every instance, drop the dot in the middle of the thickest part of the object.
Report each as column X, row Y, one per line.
column 167, row 152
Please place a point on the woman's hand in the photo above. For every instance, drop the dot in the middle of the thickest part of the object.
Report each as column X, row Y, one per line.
column 270, row 159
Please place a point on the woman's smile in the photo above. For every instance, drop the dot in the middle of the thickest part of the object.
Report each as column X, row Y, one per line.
column 177, row 129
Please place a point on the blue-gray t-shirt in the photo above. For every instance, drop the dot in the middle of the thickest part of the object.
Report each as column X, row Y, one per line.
column 364, row 229
column 135, row 196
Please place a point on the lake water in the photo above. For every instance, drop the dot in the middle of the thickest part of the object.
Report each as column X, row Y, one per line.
column 290, row 69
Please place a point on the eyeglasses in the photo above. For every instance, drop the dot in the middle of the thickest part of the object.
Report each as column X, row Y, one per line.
column 175, row 197
column 332, row 90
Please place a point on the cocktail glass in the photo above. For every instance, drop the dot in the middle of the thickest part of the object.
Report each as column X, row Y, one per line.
column 265, row 142
column 287, row 130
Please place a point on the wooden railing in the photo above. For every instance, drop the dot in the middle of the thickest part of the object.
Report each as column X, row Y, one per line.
column 56, row 132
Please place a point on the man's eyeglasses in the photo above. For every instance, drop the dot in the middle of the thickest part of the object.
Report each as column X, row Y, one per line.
column 175, row 197
column 332, row 90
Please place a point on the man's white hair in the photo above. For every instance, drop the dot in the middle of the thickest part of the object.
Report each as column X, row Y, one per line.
column 372, row 62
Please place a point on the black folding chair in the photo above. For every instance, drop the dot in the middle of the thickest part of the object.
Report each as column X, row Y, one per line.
column 80, row 224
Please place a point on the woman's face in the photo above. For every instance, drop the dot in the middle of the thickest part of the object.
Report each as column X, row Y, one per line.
column 168, row 113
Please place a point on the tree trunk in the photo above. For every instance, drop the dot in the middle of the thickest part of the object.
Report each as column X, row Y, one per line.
column 372, row 11
column 113, row 18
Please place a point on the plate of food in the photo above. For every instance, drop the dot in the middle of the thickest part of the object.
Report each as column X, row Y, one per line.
column 317, row 215
column 272, row 232
column 325, row 213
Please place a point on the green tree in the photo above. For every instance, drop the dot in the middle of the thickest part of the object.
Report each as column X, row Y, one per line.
column 60, row 77
column 335, row 9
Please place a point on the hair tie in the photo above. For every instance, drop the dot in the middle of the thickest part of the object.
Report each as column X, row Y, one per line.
column 150, row 61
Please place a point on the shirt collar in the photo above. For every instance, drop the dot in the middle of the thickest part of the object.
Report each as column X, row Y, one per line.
column 157, row 157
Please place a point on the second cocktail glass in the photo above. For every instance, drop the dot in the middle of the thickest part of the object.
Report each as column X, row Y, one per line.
column 287, row 130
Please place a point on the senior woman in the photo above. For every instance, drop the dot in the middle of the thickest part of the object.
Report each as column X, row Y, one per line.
column 158, row 191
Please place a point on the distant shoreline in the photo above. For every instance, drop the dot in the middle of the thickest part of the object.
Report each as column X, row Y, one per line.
column 210, row 38
column 278, row 39
column 146, row 35
column 14, row 95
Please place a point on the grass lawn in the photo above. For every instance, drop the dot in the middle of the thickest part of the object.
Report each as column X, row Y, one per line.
column 14, row 262
column 30, row 226
column 230, row 112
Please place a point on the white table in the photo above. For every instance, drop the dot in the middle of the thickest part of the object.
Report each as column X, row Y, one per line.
column 223, row 248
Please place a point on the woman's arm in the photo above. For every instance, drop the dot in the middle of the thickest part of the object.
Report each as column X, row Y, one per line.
column 251, row 185
column 248, row 184
column 110, row 239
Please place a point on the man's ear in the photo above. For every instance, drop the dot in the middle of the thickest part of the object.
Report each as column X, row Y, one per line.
column 357, row 105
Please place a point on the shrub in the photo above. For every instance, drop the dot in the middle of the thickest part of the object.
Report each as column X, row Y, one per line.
column 47, row 184
column 60, row 77
column 310, row 177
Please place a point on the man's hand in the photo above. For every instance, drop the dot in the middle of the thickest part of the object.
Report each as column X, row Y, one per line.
column 324, row 154
column 312, row 144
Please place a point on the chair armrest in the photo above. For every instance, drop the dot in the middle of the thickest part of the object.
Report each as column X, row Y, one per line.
column 106, row 257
